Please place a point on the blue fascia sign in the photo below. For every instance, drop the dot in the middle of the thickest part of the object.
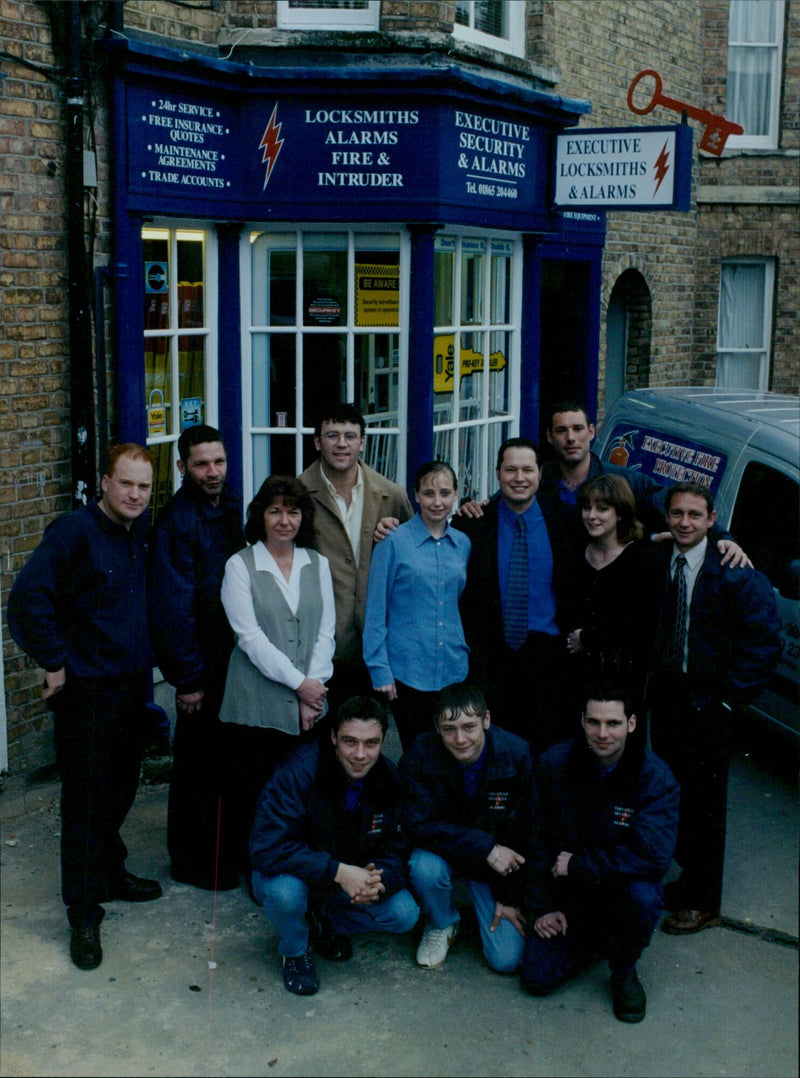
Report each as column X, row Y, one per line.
column 341, row 155
column 624, row 168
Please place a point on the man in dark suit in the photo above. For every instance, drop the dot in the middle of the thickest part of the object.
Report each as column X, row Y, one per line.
column 509, row 603
column 716, row 646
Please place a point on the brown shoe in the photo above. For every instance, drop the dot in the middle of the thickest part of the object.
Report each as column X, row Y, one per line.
column 685, row 922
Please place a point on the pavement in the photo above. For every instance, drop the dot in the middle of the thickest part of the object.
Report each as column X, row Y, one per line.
column 191, row 984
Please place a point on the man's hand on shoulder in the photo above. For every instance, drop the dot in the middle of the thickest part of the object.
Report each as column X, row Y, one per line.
column 472, row 510
column 733, row 556
column 384, row 527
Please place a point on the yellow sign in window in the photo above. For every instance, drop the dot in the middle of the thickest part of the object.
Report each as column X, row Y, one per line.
column 471, row 362
column 377, row 295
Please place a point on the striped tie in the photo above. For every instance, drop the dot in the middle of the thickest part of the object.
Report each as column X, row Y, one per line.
column 679, row 609
column 516, row 612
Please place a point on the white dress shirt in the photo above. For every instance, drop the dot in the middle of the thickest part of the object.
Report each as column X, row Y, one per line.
column 351, row 514
column 237, row 599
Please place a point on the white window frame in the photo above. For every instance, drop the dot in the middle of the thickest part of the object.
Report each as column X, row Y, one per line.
column 768, row 141
column 174, row 333
column 726, row 355
column 484, row 481
column 513, row 43
column 250, row 331
column 322, row 18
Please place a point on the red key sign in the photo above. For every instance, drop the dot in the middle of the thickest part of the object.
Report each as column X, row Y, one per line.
column 717, row 128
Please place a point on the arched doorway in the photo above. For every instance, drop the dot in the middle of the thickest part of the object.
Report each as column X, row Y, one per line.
column 629, row 323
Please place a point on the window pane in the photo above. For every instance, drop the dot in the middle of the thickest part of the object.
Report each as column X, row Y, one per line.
column 499, row 352
column 274, row 380
column 489, row 17
column 443, row 283
column 324, row 370
column 472, row 269
column 325, row 280
column 501, row 287
column 156, row 283
column 158, row 386
column 752, row 21
column 191, row 380
column 162, row 478
column 282, row 303
column 739, row 370
column 376, row 374
column 190, row 283
column 377, row 288
column 272, row 455
column 749, row 99
column 741, row 323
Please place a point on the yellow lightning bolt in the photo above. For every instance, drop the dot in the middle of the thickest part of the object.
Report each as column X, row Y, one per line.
column 271, row 143
column 661, row 168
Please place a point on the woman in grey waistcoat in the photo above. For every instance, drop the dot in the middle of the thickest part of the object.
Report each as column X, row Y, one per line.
column 278, row 596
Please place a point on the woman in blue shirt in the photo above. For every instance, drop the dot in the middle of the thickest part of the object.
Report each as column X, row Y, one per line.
column 413, row 640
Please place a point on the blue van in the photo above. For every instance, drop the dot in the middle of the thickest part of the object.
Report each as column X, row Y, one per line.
column 745, row 447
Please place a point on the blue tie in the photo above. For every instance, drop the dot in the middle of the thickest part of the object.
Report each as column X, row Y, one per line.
column 516, row 614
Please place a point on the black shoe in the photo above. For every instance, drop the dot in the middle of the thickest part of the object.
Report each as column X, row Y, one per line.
column 130, row 888
column 84, row 946
column 300, row 975
column 327, row 943
column 225, row 880
column 630, row 1002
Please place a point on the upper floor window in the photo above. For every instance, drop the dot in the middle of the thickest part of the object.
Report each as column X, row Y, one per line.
column 496, row 24
column 755, row 45
column 745, row 323
column 328, row 14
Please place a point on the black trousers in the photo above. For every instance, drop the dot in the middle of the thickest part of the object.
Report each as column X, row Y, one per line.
column 412, row 712
column 99, row 728
column 525, row 691
column 696, row 743
column 195, row 788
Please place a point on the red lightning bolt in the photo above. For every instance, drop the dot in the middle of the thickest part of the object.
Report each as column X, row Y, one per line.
column 661, row 168
column 271, row 143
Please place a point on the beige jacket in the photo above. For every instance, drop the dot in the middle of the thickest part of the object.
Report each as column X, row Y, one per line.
column 382, row 498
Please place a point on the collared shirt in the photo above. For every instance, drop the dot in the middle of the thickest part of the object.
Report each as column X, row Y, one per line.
column 237, row 598
column 351, row 514
column 412, row 628
column 694, row 560
column 541, row 596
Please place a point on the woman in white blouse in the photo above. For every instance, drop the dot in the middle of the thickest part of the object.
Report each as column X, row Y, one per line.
column 278, row 596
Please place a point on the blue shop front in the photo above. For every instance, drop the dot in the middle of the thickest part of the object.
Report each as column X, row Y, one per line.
column 286, row 237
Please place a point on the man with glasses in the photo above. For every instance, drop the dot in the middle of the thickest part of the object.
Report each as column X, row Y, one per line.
column 351, row 499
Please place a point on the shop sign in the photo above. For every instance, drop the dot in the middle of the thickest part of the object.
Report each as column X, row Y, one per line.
column 191, row 412
column 156, row 414
column 624, row 168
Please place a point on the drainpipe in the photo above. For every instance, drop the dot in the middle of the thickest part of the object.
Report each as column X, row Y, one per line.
column 82, row 414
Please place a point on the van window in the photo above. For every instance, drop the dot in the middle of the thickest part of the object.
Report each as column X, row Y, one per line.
column 766, row 524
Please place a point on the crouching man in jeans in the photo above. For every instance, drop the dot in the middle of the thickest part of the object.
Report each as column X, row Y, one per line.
column 467, row 795
column 605, row 822
column 327, row 848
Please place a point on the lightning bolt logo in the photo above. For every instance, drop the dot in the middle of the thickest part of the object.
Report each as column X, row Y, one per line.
column 271, row 143
column 661, row 168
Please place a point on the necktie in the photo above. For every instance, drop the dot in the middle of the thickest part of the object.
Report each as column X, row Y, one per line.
column 516, row 613
column 679, row 611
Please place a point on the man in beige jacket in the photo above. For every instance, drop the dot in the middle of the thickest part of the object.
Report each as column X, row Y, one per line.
column 350, row 500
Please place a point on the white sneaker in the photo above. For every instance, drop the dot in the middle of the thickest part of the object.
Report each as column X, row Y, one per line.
column 434, row 945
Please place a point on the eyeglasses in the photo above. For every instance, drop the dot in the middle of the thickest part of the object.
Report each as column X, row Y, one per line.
column 349, row 436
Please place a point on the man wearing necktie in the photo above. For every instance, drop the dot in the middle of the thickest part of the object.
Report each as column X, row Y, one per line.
column 509, row 603
column 717, row 644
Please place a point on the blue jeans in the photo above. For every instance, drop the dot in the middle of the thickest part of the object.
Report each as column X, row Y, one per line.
column 615, row 922
column 432, row 882
column 284, row 900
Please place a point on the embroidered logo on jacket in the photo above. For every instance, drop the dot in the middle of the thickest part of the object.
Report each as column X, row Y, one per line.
column 376, row 824
column 498, row 800
column 623, row 816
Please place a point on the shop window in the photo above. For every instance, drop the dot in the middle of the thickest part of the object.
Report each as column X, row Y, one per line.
column 755, row 43
column 328, row 14
column 745, row 323
column 495, row 24
column 325, row 326
column 179, row 349
column 477, row 320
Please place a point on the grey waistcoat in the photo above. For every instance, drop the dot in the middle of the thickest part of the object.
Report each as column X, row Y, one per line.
column 250, row 698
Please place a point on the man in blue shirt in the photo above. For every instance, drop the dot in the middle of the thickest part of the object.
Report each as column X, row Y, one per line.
column 78, row 609
column 509, row 604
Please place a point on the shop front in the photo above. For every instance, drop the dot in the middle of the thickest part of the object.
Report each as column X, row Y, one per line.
column 286, row 237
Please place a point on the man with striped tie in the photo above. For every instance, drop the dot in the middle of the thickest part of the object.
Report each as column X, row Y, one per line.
column 716, row 646
column 509, row 606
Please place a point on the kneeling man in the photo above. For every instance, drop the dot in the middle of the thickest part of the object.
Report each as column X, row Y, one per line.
column 605, row 821
column 467, row 795
column 327, row 848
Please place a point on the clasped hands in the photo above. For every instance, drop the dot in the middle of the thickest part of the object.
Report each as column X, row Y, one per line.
column 363, row 885
column 311, row 695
